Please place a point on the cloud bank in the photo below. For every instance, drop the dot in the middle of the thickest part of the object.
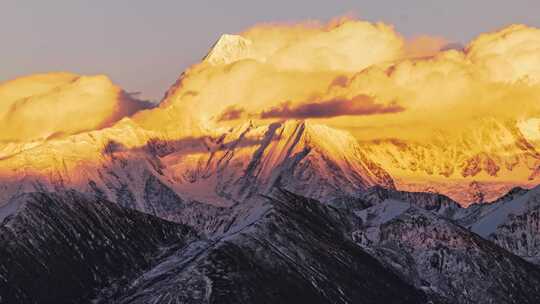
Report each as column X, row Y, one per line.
column 45, row 105
column 348, row 73
column 321, row 70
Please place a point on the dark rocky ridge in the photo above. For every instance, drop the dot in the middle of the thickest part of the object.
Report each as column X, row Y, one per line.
column 63, row 247
column 296, row 251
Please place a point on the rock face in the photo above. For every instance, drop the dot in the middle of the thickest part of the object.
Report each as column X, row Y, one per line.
column 294, row 250
column 450, row 263
column 520, row 234
column 511, row 222
column 382, row 246
column 65, row 247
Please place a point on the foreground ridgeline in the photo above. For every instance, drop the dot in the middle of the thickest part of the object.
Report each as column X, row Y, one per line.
column 66, row 247
column 384, row 245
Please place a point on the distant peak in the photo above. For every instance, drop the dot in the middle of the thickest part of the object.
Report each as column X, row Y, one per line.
column 228, row 49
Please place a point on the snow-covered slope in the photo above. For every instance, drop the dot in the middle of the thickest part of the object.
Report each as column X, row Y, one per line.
column 512, row 222
column 437, row 203
column 494, row 214
column 142, row 170
column 479, row 164
column 310, row 159
column 100, row 163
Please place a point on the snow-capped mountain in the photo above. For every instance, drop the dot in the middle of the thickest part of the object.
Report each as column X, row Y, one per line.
column 175, row 205
column 478, row 165
column 139, row 170
column 315, row 160
column 230, row 48
column 228, row 165
column 477, row 161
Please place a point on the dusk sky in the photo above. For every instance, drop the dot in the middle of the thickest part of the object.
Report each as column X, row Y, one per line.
column 144, row 45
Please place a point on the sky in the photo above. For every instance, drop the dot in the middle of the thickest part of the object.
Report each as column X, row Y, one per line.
column 145, row 45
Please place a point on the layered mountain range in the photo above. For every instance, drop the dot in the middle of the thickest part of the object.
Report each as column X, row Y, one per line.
column 190, row 203
column 485, row 161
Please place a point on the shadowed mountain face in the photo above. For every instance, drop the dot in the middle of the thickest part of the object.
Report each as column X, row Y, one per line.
column 295, row 250
column 385, row 246
column 419, row 236
column 65, row 247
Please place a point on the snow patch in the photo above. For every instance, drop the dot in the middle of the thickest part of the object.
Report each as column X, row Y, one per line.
column 498, row 213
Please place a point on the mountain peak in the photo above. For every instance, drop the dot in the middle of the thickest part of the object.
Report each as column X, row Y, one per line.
column 307, row 158
column 228, row 49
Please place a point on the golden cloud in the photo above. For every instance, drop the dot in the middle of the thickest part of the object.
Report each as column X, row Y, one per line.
column 321, row 69
column 45, row 105
column 324, row 71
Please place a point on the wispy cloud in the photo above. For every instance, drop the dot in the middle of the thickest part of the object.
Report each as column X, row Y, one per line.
column 358, row 105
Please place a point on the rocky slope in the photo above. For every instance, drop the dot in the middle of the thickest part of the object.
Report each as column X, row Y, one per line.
column 65, row 247
column 292, row 250
column 511, row 222
column 382, row 245
column 449, row 262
